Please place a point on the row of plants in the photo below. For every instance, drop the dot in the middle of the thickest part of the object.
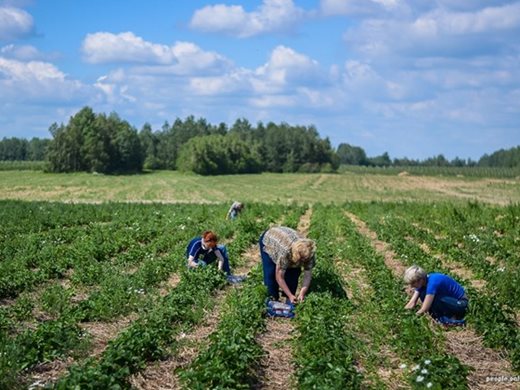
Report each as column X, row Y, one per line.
column 489, row 313
column 409, row 336
column 322, row 317
column 231, row 360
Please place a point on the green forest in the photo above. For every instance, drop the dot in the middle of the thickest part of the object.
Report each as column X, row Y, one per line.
column 102, row 143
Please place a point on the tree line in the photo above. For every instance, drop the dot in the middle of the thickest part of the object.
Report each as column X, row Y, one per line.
column 108, row 144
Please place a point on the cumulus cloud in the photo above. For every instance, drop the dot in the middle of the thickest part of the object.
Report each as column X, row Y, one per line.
column 286, row 68
column 37, row 81
column 271, row 16
column 438, row 32
column 104, row 47
column 181, row 58
column 21, row 52
column 361, row 7
column 440, row 22
column 14, row 23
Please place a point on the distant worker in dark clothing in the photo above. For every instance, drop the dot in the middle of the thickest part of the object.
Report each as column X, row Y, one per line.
column 441, row 296
column 284, row 253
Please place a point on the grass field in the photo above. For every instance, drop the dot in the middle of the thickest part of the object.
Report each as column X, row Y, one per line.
column 174, row 187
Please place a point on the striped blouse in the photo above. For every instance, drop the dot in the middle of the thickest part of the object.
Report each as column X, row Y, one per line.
column 277, row 244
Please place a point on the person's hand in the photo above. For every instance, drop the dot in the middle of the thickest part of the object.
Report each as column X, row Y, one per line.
column 301, row 297
column 292, row 299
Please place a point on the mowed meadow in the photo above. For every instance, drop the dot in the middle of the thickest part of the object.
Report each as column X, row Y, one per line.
column 174, row 187
column 94, row 292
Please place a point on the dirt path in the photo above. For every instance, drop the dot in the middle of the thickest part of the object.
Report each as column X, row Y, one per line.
column 464, row 343
column 277, row 366
column 162, row 375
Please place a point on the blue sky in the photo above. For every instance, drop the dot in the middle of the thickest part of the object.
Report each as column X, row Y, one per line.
column 414, row 78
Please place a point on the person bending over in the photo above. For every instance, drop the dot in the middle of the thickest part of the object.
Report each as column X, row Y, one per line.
column 284, row 253
column 441, row 296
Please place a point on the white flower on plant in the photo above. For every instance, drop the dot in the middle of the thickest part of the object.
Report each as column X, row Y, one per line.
column 416, row 367
column 501, row 269
column 429, row 384
column 402, row 366
column 427, row 361
column 424, row 371
column 420, row 378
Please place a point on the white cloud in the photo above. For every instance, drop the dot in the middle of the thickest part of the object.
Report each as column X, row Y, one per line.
column 36, row 80
column 286, row 68
column 271, row 16
column 104, row 47
column 181, row 58
column 21, row 52
column 440, row 22
column 360, row 7
column 438, row 32
column 14, row 23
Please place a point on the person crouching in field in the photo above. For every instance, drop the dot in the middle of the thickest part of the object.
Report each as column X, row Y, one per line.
column 235, row 209
column 205, row 250
column 284, row 252
column 441, row 295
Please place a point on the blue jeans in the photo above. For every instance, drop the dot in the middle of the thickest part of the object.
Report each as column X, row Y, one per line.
column 448, row 307
column 269, row 270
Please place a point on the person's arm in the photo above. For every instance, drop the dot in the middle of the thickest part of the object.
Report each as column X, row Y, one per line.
column 428, row 300
column 280, row 278
column 218, row 253
column 307, row 277
column 191, row 262
column 413, row 301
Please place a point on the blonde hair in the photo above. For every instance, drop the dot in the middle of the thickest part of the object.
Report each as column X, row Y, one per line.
column 414, row 274
column 302, row 250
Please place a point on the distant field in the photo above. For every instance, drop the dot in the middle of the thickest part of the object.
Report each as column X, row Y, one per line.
column 173, row 187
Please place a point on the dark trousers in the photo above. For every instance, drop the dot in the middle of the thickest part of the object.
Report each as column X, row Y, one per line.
column 448, row 307
column 269, row 270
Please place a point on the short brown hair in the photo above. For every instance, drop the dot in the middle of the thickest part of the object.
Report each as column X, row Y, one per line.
column 209, row 236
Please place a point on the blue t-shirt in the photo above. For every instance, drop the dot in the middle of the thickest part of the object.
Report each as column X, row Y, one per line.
column 441, row 285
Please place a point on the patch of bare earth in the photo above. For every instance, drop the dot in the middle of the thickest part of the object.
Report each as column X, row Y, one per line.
column 305, row 222
column 277, row 368
column 464, row 343
column 45, row 373
column 169, row 284
column 381, row 247
column 162, row 375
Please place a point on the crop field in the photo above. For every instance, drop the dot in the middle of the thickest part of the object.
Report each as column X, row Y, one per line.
column 97, row 296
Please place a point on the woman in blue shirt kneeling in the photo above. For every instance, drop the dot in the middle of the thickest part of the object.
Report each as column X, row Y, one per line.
column 441, row 296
